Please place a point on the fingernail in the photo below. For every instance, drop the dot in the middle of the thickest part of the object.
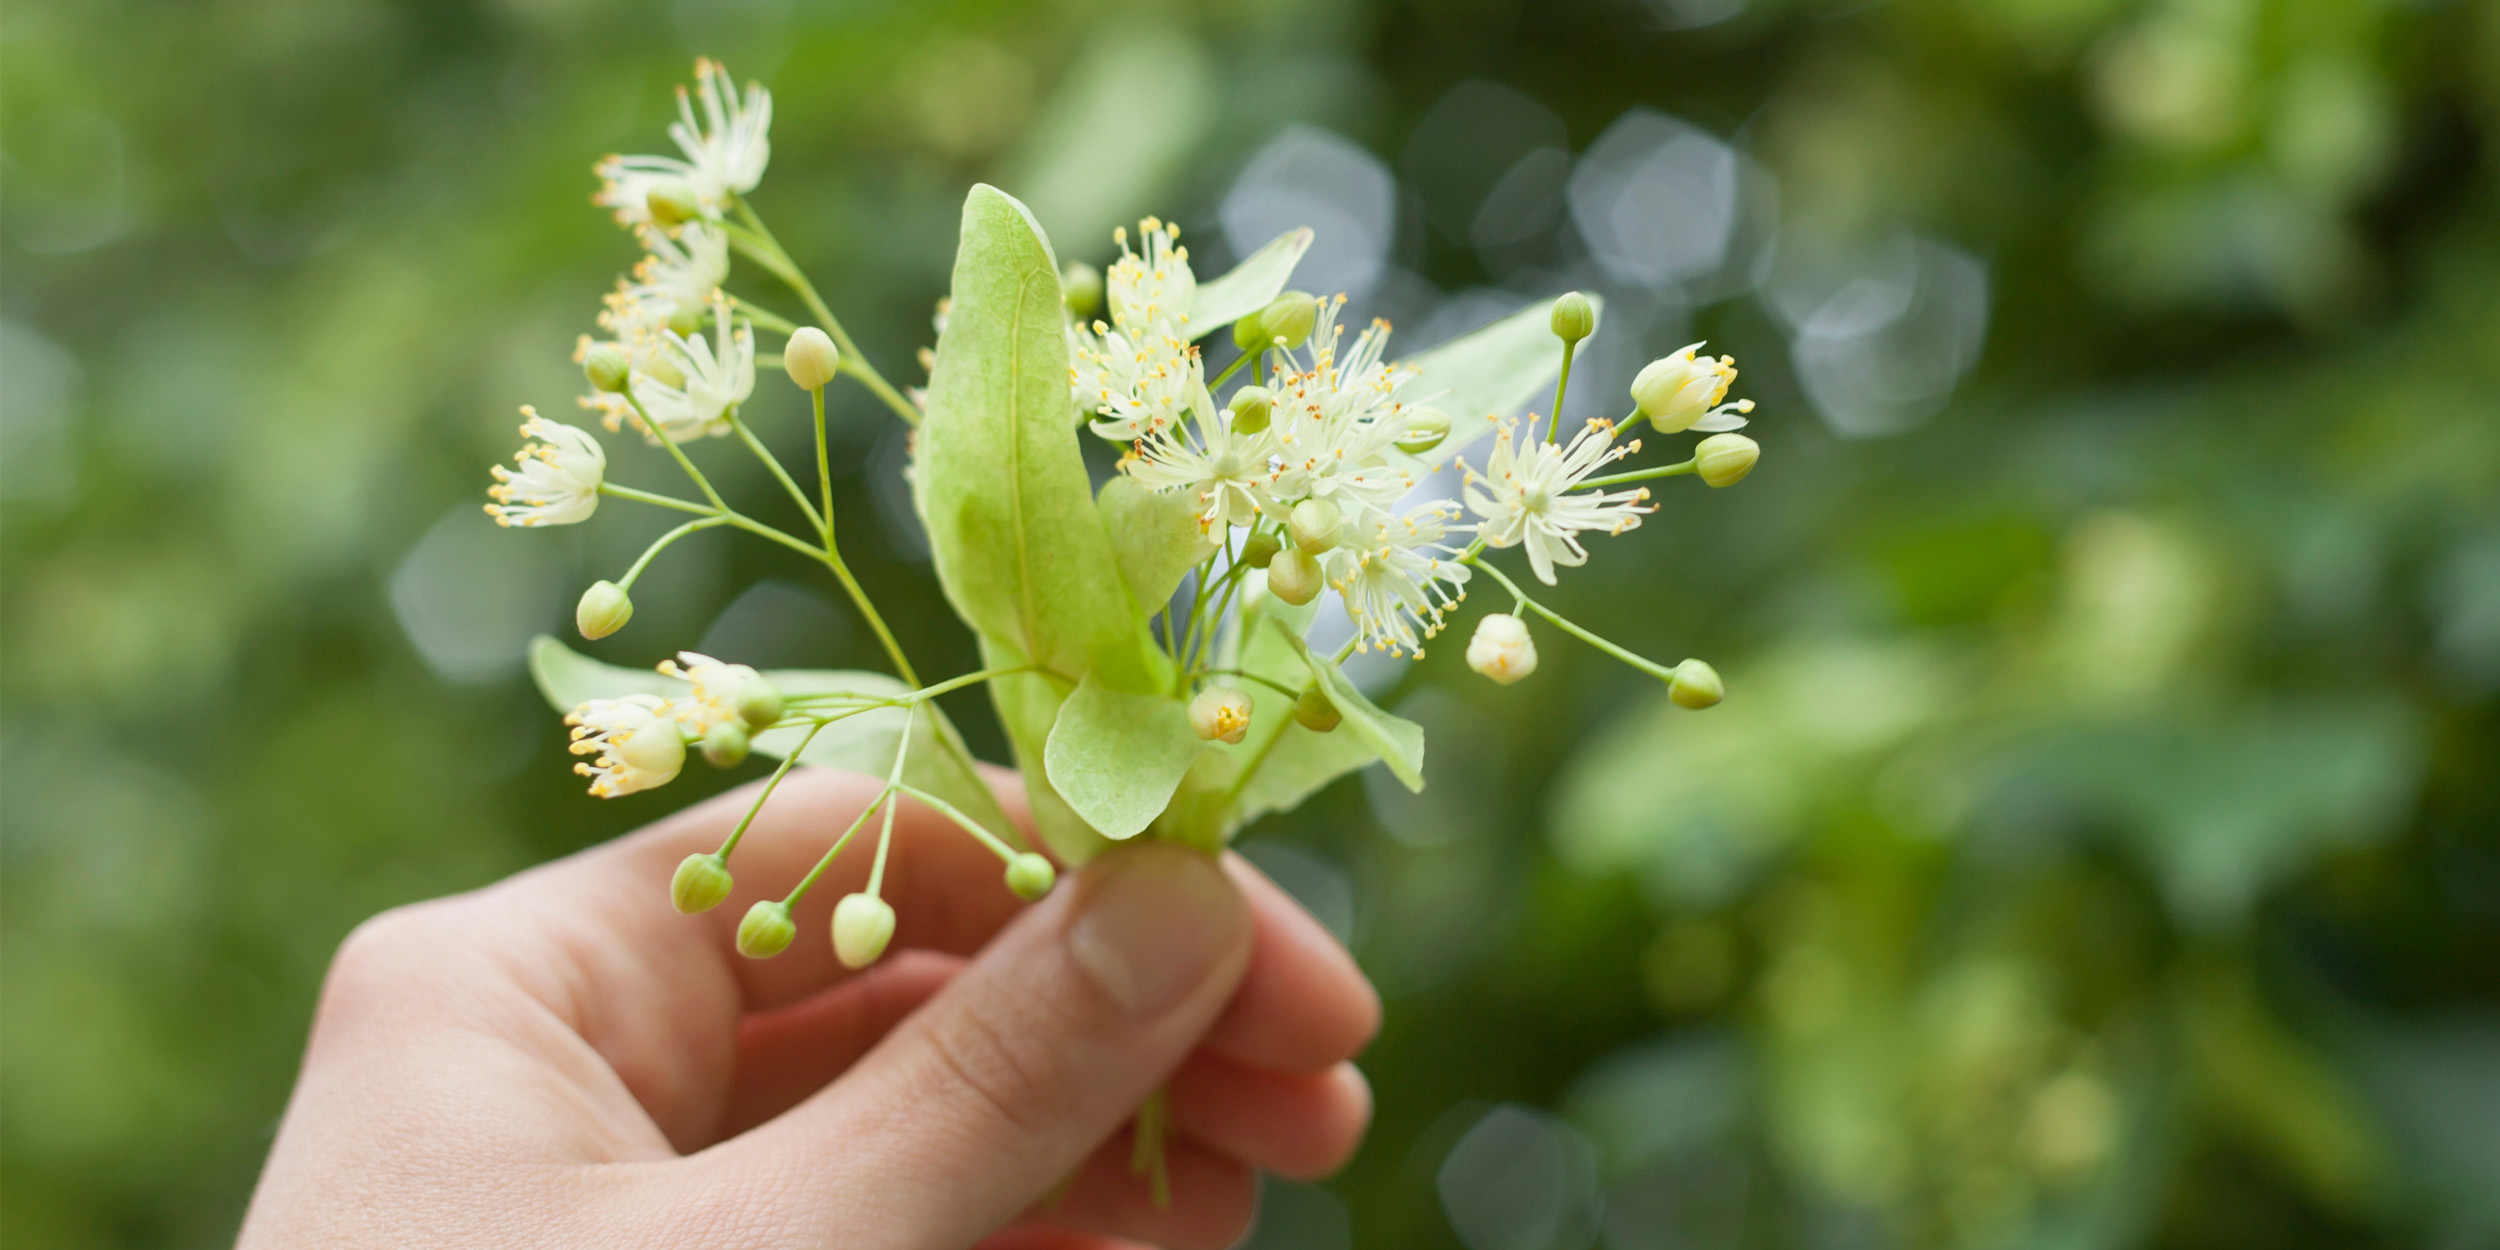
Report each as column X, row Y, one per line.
column 1155, row 921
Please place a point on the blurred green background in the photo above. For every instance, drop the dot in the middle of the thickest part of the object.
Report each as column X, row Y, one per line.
column 2100, row 843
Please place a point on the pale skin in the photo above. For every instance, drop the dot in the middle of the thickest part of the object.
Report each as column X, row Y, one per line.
column 562, row 1060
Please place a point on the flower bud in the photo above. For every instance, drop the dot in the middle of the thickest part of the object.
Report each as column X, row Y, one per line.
column 1574, row 317
column 1250, row 406
column 1725, row 459
column 672, row 200
column 766, row 930
column 1696, row 685
column 1030, row 876
column 686, row 319
column 607, row 367
column 1675, row 391
column 1261, row 548
column 811, row 359
column 725, row 744
column 1425, row 428
column 759, row 704
column 1220, row 713
column 702, row 881
column 1316, row 712
column 1502, row 649
column 1314, row 524
column 1290, row 317
column 1080, row 287
column 604, row 609
column 1294, row 576
column 862, row 925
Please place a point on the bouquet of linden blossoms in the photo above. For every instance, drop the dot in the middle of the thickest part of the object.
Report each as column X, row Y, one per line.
column 1145, row 644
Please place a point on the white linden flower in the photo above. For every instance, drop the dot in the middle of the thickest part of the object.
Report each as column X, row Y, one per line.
column 716, row 689
column 1397, row 576
column 717, row 375
column 558, row 482
column 683, row 269
column 1138, row 383
column 1226, row 471
column 1157, row 286
column 1502, row 649
column 1683, row 392
column 725, row 152
column 635, row 739
column 1522, row 495
column 1337, row 421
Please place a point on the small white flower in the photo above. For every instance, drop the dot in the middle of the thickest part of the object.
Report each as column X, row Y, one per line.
column 558, row 482
column 1398, row 577
column 725, row 151
column 1502, row 649
column 683, row 269
column 1337, row 420
column 1225, row 471
column 1139, row 383
column 717, row 686
column 1683, row 392
column 1156, row 286
column 1524, row 501
column 637, row 743
column 717, row 375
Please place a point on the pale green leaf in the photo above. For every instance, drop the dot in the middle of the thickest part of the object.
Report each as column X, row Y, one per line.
column 1028, row 705
column 1492, row 371
column 1250, row 285
column 1155, row 536
column 1116, row 758
column 567, row 679
column 1399, row 741
column 1293, row 762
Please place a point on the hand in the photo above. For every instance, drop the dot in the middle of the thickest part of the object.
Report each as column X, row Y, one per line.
column 562, row 1060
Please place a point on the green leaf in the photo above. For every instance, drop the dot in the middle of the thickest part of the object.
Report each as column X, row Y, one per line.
column 1491, row 371
column 1028, row 706
column 1155, row 537
column 1293, row 762
column 861, row 743
column 1116, row 758
column 1250, row 286
column 1400, row 742
column 1000, row 481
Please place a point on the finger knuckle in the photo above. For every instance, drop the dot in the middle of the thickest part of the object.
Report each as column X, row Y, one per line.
column 1003, row 1075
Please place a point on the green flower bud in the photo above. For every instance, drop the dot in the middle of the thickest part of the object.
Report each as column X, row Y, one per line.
column 604, row 609
column 1080, row 287
column 1314, row 524
column 607, row 367
column 1261, row 548
column 702, row 881
column 671, row 201
column 1696, row 685
column 862, row 925
column 1295, row 577
column 766, row 930
column 759, row 704
column 811, row 359
column 1574, row 317
column 1250, row 407
column 1316, row 712
column 1425, row 428
column 725, row 744
column 1250, row 333
column 1725, row 459
column 1289, row 317
column 1220, row 714
column 686, row 319
column 1030, row 876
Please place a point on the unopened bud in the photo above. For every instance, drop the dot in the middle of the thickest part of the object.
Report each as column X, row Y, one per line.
column 686, row 319
column 1030, row 876
column 862, row 925
column 1425, row 428
column 759, row 703
column 1290, row 317
column 1574, row 317
column 607, row 367
column 1725, row 459
column 702, row 881
column 1220, row 714
column 1502, row 649
column 1314, row 524
column 766, row 930
column 725, row 744
column 1080, row 287
column 1261, row 549
column 1251, row 406
column 1696, row 685
column 1295, row 577
column 811, row 359
column 604, row 609
column 672, row 200
column 1316, row 711
column 1675, row 391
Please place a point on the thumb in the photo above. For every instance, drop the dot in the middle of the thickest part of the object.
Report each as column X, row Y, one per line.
column 1002, row 1084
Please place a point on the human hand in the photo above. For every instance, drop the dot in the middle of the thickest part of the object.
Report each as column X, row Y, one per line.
column 561, row 1059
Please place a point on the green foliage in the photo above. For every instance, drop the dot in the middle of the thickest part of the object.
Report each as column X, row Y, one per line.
column 1398, row 742
column 1116, row 758
column 1156, row 538
column 1249, row 285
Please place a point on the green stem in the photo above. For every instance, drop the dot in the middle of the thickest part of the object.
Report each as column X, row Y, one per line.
column 1278, row 686
column 824, row 464
column 661, row 543
column 1553, row 427
column 1643, row 475
column 675, row 453
column 893, row 782
column 966, row 823
column 807, row 507
column 764, row 317
column 1230, row 370
column 1650, row 667
column 658, row 501
column 758, row 243
column 757, row 806
column 868, row 611
column 885, row 798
